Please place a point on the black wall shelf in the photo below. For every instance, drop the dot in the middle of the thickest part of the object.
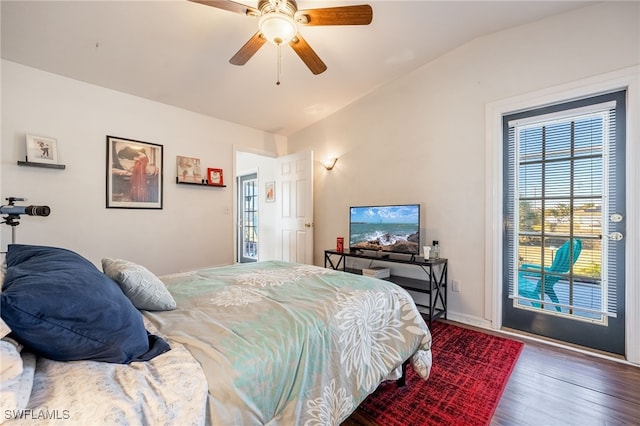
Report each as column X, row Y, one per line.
column 203, row 183
column 43, row 165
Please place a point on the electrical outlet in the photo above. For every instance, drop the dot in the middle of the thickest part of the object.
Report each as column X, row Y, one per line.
column 455, row 285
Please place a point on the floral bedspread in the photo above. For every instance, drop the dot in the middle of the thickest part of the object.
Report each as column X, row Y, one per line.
column 284, row 343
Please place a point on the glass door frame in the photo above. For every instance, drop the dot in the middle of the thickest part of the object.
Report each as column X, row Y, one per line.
column 626, row 78
column 248, row 218
column 605, row 335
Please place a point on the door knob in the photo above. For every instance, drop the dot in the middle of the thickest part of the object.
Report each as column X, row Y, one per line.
column 308, row 225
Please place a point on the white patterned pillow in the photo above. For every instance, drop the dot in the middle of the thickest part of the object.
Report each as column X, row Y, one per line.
column 10, row 360
column 141, row 286
column 16, row 377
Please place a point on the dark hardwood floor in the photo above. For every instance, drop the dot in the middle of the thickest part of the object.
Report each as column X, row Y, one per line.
column 557, row 386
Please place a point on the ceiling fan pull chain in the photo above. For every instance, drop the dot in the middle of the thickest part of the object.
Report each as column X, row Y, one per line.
column 279, row 65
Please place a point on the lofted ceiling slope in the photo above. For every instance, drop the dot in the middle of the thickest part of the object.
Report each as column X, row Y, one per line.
column 177, row 52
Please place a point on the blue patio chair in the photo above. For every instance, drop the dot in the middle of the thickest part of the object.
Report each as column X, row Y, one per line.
column 560, row 265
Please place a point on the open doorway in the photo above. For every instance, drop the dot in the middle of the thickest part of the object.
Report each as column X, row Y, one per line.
column 283, row 202
column 255, row 217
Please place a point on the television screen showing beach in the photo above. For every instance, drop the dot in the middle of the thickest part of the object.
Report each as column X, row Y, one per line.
column 387, row 228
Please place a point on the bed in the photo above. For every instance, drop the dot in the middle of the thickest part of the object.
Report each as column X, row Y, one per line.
column 273, row 343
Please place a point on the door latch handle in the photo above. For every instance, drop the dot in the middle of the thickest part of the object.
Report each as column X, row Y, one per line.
column 308, row 225
column 615, row 236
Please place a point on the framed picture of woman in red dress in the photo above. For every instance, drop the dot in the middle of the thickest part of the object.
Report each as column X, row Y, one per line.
column 134, row 174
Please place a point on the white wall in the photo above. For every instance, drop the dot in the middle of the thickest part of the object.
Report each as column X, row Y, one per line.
column 421, row 139
column 195, row 226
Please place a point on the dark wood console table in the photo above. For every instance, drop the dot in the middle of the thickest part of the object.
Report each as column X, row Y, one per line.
column 435, row 284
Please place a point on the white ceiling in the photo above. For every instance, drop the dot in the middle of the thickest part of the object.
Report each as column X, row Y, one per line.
column 177, row 52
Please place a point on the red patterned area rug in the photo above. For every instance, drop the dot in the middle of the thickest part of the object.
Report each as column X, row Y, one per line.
column 470, row 371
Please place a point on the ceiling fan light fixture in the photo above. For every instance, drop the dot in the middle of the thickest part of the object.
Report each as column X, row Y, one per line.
column 278, row 28
column 278, row 22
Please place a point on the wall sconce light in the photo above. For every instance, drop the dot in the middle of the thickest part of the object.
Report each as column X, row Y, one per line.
column 329, row 163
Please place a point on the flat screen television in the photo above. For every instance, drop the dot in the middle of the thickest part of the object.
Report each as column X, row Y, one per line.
column 392, row 228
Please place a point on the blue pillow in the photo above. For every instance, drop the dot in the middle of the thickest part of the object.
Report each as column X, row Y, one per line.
column 62, row 307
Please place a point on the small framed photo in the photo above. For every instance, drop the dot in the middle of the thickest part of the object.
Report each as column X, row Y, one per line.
column 134, row 174
column 41, row 149
column 270, row 192
column 215, row 177
column 189, row 169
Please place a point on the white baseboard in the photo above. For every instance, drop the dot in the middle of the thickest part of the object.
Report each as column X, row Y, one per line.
column 469, row 320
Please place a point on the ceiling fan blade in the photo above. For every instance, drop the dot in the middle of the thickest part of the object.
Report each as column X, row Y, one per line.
column 307, row 54
column 344, row 15
column 249, row 49
column 231, row 6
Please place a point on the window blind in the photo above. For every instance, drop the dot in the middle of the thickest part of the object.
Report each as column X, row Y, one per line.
column 560, row 186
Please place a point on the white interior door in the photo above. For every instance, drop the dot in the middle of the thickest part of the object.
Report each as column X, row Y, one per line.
column 294, row 197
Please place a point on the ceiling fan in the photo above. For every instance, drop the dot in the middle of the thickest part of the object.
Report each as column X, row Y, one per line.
column 278, row 22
